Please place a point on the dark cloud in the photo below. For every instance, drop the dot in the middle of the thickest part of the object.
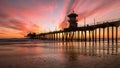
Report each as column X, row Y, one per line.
column 2, row 15
column 5, row 14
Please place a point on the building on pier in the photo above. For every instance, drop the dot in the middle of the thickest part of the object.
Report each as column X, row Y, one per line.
column 72, row 20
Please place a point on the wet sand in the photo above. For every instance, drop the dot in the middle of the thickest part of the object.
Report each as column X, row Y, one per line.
column 49, row 54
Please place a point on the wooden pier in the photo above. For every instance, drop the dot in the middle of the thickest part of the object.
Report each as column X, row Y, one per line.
column 94, row 32
column 70, row 34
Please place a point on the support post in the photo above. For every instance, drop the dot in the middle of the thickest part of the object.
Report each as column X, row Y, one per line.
column 112, row 34
column 81, row 35
column 62, row 36
column 78, row 38
column 103, row 34
column 99, row 34
column 112, row 39
column 54, row 36
column 116, row 40
column 93, row 35
column 108, row 40
column 116, row 34
column 85, row 36
column 89, row 36
column 108, row 34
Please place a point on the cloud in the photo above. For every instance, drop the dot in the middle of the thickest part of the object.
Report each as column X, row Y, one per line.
column 90, row 8
column 100, row 7
column 22, row 16
column 70, row 6
column 20, row 26
column 2, row 15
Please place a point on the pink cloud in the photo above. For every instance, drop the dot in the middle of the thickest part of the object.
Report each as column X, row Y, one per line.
column 91, row 8
column 23, row 16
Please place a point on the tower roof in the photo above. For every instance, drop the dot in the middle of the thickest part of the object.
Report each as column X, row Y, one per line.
column 73, row 15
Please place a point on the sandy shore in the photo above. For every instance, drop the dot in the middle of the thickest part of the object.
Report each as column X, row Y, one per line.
column 54, row 55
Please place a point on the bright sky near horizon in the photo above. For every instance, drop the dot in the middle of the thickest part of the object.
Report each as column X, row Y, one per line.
column 18, row 17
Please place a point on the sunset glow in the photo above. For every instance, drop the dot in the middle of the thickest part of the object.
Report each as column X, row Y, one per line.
column 19, row 17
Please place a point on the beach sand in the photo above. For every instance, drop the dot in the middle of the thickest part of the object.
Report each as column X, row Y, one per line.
column 50, row 54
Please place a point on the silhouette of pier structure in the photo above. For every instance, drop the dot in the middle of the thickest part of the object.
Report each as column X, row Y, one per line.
column 84, row 33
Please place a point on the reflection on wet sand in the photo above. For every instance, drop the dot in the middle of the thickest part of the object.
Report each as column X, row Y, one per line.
column 89, row 49
column 100, row 52
column 58, row 54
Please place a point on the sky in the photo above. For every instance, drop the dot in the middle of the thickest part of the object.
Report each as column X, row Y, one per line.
column 19, row 17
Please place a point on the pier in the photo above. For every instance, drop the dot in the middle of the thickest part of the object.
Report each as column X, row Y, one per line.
column 94, row 32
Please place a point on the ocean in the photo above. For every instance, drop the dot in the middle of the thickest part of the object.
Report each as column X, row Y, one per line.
column 35, row 53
